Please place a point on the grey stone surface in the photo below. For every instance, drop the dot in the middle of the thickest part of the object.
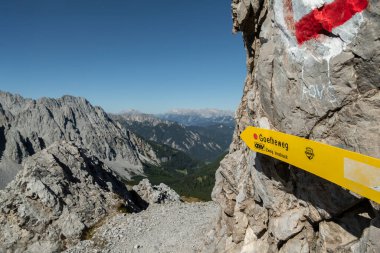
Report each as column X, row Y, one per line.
column 155, row 194
column 326, row 89
column 166, row 228
column 28, row 126
column 60, row 192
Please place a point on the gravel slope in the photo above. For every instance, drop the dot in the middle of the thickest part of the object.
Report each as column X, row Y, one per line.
column 173, row 227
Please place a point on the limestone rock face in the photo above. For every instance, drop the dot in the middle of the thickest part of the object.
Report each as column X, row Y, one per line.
column 28, row 126
column 325, row 88
column 59, row 193
column 156, row 194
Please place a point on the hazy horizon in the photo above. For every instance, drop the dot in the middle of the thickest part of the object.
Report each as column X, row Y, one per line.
column 129, row 110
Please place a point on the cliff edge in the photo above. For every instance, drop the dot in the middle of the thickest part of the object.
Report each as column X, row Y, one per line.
column 312, row 71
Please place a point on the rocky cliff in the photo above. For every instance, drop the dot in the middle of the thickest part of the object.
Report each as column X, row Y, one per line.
column 312, row 71
column 60, row 192
column 28, row 126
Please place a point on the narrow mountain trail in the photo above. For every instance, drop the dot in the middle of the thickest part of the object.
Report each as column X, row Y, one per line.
column 172, row 227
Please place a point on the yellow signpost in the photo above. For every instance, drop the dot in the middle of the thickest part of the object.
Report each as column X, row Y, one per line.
column 353, row 171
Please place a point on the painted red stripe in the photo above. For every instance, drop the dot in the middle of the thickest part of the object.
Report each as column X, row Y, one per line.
column 326, row 18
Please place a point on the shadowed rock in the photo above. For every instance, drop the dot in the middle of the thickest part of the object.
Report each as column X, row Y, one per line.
column 59, row 193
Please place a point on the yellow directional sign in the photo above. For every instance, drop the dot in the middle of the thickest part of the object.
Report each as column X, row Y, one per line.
column 353, row 171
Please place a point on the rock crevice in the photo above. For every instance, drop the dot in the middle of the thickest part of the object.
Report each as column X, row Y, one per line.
column 316, row 89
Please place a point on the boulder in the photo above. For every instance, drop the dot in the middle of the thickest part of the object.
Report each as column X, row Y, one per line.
column 157, row 194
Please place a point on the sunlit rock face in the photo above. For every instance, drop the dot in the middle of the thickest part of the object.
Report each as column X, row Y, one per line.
column 28, row 126
column 324, row 87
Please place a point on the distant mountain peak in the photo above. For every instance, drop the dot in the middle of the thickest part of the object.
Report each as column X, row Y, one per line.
column 131, row 111
column 199, row 117
column 207, row 112
column 202, row 134
column 137, row 116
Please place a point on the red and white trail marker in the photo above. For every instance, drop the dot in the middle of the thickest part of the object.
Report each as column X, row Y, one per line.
column 322, row 19
column 315, row 31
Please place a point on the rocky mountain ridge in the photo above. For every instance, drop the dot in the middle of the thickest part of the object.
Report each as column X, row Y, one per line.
column 28, row 126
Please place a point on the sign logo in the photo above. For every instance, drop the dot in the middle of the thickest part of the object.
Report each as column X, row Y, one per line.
column 309, row 153
column 259, row 146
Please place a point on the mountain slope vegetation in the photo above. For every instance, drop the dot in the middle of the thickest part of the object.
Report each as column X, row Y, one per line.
column 205, row 143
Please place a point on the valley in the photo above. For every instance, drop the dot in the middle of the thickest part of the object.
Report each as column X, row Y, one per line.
column 134, row 146
column 293, row 168
column 59, row 152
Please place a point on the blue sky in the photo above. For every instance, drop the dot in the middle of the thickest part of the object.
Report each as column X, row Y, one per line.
column 120, row 54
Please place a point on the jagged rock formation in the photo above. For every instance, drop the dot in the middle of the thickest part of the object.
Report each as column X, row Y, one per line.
column 206, row 141
column 325, row 87
column 28, row 126
column 155, row 194
column 60, row 192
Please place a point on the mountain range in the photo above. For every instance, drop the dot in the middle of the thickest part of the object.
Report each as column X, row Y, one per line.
column 203, row 135
column 199, row 117
column 133, row 145
column 28, row 126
